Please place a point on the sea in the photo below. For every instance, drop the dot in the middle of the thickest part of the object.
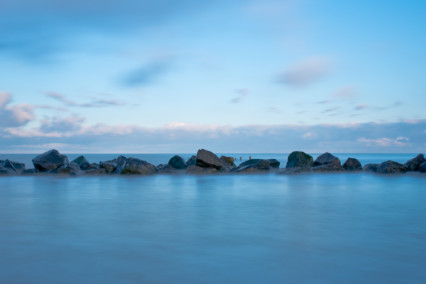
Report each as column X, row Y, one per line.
column 267, row 228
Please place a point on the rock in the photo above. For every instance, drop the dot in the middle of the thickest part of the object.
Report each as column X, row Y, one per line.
column 196, row 170
column 370, row 168
column 74, row 166
column 66, row 170
column 30, row 172
column 294, row 170
column 414, row 164
column 299, row 159
column 422, row 168
column 6, row 171
column 81, row 162
column 15, row 167
column 228, row 160
column 327, row 162
column 274, row 163
column 113, row 166
column 206, row 159
column 391, row 167
column 177, row 162
column 166, row 169
column 256, row 165
column 352, row 164
column 138, row 167
column 96, row 171
column 191, row 161
column 50, row 160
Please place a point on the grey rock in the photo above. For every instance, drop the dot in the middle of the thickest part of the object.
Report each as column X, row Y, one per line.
column 391, row 167
column 177, row 162
column 138, row 167
column 6, row 171
column 50, row 160
column 96, row 171
column 414, row 164
column 113, row 166
column 228, row 160
column 299, row 159
column 191, row 161
column 166, row 169
column 370, row 168
column 327, row 162
column 256, row 166
column 196, row 170
column 81, row 162
column 422, row 168
column 294, row 170
column 207, row 159
column 352, row 164
column 15, row 167
column 30, row 172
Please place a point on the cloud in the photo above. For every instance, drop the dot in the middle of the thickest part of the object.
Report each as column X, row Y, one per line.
column 347, row 92
column 361, row 107
column 187, row 138
column 35, row 30
column 96, row 103
column 241, row 94
column 386, row 142
column 148, row 73
column 14, row 115
column 307, row 72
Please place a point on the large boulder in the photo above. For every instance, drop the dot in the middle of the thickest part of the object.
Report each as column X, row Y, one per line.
column 207, row 159
column 166, row 169
column 257, row 165
column 81, row 162
column 113, row 166
column 6, row 171
column 391, row 167
column 327, row 162
column 370, row 168
column 191, row 161
column 414, row 163
column 422, row 168
column 139, row 167
column 299, row 159
column 50, row 161
column 227, row 163
column 177, row 162
column 352, row 164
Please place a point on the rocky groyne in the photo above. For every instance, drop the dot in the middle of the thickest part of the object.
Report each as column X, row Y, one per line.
column 205, row 162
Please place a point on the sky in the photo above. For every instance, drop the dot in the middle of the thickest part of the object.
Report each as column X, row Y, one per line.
column 164, row 76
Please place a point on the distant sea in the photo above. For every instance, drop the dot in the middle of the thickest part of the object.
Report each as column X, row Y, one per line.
column 157, row 159
column 311, row 228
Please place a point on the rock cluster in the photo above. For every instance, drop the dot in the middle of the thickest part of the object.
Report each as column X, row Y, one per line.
column 205, row 162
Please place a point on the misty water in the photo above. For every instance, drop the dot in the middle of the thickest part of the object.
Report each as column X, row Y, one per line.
column 313, row 228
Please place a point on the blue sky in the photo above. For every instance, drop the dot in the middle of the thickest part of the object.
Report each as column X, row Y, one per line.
column 235, row 76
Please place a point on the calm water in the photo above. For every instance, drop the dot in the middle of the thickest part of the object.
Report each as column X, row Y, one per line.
column 320, row 228
column 164, row 158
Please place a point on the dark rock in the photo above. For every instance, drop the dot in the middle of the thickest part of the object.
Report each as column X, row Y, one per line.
column 96, row 171
column 256, row 165
column 206, row 159
column 6, row 171
column 166, row 169
column 352, row 164
column 81, row 162
column 196, row 170
column 274, row 163
column 228, row 160
column 177, row 162
column 294, row 170
column 422, row 168
column 299, row 159
column 370, row 168
column 327, row 162
column 30, row 172
column 191, row 161
column 13, row 167
column 414, row 164
column 391, row 167
column 74, row 166
column 114, row 166
column 50, row 160
column 138, row 167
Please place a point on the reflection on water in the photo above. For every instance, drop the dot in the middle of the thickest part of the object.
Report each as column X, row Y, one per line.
column 335, row 228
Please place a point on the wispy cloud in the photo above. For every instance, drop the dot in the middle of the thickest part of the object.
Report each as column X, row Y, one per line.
column 306, row 72
column 147, row 73
column 241, row 94
column 386, row 142
column 95, row 103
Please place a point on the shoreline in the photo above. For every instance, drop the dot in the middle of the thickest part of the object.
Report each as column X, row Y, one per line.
column 204, row 163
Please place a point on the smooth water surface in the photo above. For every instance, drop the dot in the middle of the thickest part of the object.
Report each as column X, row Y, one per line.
column 314, row 228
